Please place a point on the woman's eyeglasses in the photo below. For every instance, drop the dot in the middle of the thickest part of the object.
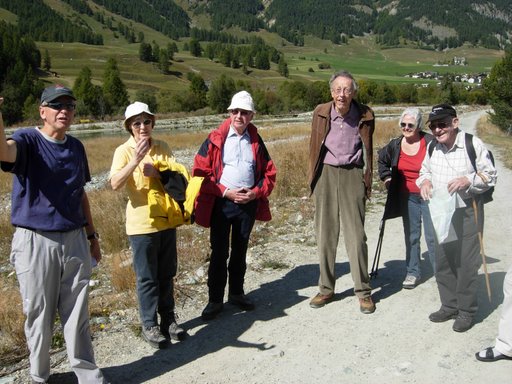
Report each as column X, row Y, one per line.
column 408, row 125
column 138, row 124
column 440, row 125
column 61, row 106
column 242, row 112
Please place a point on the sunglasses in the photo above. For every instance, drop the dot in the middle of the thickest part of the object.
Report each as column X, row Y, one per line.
column 61, row 106
column 440, row 125
column 408, row 125
column 239, row 111
column 138, row 124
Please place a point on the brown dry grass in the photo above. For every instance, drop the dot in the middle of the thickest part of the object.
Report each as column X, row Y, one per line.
column 491, row 134
column 12, row 336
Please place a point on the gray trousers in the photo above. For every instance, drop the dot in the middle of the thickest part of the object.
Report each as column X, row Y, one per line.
column 504, row 339
column 53, row 270
column 457, row 262
column 340, row 202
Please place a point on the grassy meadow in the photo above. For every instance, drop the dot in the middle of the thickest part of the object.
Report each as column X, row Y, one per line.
column 362, row 56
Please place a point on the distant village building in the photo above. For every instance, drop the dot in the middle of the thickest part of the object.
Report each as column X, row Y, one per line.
column 459, row 60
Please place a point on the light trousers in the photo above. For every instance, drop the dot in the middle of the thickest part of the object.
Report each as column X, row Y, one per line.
column 340, row 202
column 53, row 270
column 504, row 339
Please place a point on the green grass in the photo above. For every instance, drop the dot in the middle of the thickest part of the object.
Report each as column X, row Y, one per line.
column 365, row 59
column 361, row 56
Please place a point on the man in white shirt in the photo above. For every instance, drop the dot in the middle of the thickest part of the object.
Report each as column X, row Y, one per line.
column 239, row 175
column 448, row 168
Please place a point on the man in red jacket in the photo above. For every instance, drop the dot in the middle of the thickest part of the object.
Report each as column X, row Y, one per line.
column 239, row 175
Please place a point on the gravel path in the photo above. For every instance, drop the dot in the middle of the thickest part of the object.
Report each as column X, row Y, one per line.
column 285, row 341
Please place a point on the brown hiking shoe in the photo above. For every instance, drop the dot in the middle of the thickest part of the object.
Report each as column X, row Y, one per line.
column 320, row 300
column 366, row 305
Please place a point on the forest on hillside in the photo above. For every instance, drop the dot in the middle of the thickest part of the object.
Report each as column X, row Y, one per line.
column 394, row 23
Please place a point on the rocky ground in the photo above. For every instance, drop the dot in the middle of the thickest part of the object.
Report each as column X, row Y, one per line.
column 285, row 341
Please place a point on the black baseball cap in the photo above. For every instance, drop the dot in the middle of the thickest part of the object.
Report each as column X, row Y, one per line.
column 441, row 111
column 55, row 91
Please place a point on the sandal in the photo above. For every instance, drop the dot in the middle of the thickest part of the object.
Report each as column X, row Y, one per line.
column 489, row 356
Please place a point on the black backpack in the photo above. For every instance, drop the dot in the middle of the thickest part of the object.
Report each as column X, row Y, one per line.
column 470, row 149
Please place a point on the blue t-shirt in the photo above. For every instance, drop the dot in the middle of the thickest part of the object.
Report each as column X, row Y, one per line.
column 49, row 180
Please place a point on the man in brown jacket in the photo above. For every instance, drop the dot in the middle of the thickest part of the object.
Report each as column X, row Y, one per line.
column 340, row 173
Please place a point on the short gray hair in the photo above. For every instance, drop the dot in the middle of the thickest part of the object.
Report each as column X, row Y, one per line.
column 414, row 112
column 346, row 75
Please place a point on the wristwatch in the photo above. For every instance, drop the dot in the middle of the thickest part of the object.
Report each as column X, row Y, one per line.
column 94, row 235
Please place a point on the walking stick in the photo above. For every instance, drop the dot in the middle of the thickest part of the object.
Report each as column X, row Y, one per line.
column 375, row 265
column 481, row 240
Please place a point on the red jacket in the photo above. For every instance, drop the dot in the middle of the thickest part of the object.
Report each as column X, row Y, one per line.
column 208, row 164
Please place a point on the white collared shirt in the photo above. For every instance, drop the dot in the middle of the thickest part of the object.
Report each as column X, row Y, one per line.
column 238, row 161
column 447, row 164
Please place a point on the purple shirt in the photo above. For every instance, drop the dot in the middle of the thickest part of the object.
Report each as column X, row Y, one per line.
column 343, row 143
column 49, row 182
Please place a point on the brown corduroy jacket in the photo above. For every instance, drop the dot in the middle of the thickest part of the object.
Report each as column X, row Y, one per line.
column 320, row 127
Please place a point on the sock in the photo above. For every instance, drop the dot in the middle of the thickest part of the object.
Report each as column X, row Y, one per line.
column 495, row 352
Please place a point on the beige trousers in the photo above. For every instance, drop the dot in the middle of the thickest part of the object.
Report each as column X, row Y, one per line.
column 340, row 203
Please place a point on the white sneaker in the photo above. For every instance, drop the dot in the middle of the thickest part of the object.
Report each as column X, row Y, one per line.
column 410, row 282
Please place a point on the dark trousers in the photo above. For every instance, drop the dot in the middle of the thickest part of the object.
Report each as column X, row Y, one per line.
column 155, row 264
column 457, row 262
column 237, row 220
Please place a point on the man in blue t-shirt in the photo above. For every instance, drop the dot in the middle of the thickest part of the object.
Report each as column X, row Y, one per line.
column 50, row 249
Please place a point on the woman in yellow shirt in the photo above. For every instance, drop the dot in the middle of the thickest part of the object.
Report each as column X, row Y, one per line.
column 153, row 242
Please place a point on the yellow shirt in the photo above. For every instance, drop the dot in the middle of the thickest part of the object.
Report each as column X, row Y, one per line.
column 138, row 221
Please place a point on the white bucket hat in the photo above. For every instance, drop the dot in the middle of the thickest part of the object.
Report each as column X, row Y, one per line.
column 242, row 100
column 136, row 109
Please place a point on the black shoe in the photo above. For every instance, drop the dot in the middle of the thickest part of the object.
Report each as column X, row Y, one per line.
column 170, row 328
column 487, row 355
column 442, row 316
column 212, row 310
column 241, row 301
column 462, row 323
column 154, row 337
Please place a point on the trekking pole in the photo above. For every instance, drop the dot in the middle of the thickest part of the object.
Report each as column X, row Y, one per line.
column 376, row 258
column 481, row 240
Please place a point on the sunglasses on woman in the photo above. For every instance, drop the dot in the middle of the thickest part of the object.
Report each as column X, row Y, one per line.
column 138, row 124
column 408, row 125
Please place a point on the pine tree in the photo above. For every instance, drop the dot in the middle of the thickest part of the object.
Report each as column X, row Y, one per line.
column 114, row 90
column 499, row 86
column 219, row 95
column 47, row 63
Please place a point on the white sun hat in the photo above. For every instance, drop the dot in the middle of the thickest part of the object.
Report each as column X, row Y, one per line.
column 242, row 100
column 135, row 109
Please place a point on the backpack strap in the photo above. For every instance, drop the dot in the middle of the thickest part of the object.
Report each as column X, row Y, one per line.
column 470, row 149
column 431, row 147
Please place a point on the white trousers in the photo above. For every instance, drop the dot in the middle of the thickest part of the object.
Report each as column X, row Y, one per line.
column 504, row 339
column 53, row 270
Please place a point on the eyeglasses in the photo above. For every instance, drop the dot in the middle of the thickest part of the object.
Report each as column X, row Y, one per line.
column 440, row 125
column 242, row 112
column 61, row 106
column 408, row 125
column 138, row 124
column 344, row 91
